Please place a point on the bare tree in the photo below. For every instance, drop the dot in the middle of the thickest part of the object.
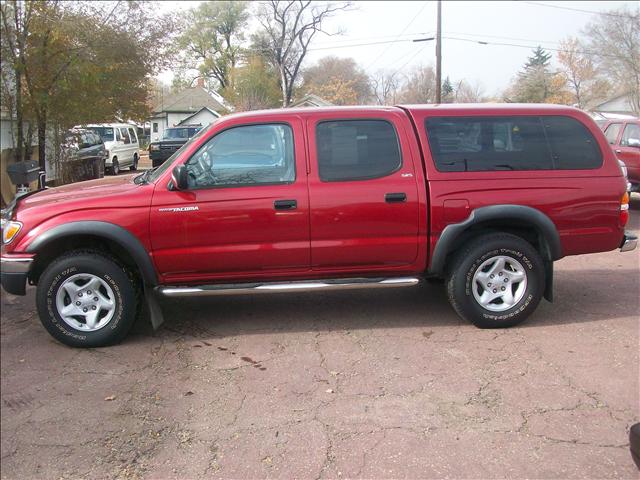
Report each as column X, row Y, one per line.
column 287, row 30
column 466, row 92
column 614, row 42
column 385, row 86
column 582, row 78
column 420, row 86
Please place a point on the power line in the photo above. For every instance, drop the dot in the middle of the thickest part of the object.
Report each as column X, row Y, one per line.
column 481, row 42
column 382, row 42
column 412, row 57
column 590, row 12
column 399, row 35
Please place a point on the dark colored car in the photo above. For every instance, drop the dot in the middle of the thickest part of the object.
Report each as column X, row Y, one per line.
column 624, row 138
column 83, row 155
column 172, row 139
column 486, row 197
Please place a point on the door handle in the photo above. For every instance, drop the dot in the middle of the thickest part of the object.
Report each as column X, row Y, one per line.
column 395, row 197
column 285, row 204
column 618, row 151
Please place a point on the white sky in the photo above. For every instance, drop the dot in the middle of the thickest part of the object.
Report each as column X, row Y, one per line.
column 492, row 66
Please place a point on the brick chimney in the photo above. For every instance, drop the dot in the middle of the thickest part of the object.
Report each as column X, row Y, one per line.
column 200, row 82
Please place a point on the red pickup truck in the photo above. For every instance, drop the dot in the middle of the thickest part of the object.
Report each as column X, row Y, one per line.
column 485, row 196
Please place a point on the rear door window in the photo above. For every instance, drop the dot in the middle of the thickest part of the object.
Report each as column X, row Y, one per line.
column 356, row 150
column 472, row 144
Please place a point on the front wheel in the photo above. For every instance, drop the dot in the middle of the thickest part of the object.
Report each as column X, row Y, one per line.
column 496, row 281
column 86, row 299
column 115, row 166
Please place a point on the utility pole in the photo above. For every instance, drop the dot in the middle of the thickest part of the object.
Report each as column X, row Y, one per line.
column 439, row 55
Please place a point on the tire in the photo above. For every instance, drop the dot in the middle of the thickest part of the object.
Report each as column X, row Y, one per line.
column 507, row 298
column 115, row 166
column 66, row 285
column 134, row 166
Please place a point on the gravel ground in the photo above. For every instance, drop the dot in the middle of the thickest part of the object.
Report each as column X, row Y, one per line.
column 373, row 384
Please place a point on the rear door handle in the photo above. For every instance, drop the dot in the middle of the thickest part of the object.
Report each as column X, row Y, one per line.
column 395, row 197
column 285, row 204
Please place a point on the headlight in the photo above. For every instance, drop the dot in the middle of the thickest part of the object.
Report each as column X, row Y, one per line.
column 10, row 230
column 154, row 147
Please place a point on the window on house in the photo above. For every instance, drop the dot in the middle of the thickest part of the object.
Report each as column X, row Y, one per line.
column 155, row 127
column 356, row 150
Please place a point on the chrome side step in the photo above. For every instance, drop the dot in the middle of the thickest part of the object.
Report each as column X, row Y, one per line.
column 299, row 286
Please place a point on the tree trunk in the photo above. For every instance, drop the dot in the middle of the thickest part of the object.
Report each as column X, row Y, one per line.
column 19, row 145
column 283, row 86
column 42, row 138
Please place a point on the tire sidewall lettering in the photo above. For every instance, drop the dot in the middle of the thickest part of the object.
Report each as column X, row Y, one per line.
column 515, row 254
column 55, row 317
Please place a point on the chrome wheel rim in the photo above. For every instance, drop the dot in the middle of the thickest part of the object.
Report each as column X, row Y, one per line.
column 85, row 302
column 499, row 283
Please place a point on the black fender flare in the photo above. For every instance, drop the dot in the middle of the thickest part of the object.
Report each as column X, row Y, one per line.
column 541, row 222
column 107, row 231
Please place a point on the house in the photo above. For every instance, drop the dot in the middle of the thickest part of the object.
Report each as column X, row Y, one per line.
column 618, row 105
column 311, row 100
column 194, row 105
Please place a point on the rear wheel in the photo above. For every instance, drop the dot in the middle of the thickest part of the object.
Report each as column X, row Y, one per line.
column 134, row 166
column 86, row 299
column 496, row 281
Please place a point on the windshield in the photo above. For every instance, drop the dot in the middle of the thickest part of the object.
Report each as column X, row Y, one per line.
column 179, row 133
column 105, row 132
column 167, row 163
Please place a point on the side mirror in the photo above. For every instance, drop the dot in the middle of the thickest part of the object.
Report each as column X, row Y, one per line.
column 179, row 178
column 634, row 142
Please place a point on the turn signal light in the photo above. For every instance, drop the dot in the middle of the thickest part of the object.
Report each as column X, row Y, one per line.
column 624, row 209
column 10, row 230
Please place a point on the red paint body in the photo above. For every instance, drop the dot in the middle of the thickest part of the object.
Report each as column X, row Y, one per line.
column 338, row 228
column 629, row 155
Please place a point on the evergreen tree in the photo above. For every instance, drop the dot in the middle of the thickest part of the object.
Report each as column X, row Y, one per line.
column 447, row 91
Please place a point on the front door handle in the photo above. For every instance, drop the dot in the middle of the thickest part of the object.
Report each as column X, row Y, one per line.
column 618, row 151
column 395, row 197
column 285, row 204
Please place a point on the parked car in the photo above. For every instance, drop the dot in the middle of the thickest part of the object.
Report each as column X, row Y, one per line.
column 485, row 196
column 121, row 142
column 172, row 139
column 624, row 138
column 82, row 156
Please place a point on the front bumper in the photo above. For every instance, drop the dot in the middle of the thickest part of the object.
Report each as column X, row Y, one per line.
column 629, row 242
column 14, row 273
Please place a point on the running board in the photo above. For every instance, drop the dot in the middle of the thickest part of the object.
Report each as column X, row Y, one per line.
column 304, row 286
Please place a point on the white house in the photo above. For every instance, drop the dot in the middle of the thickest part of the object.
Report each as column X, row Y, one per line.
column 619, row 105
column 193, row 105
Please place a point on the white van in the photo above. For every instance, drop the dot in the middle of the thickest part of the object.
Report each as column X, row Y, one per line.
column 121, row 142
